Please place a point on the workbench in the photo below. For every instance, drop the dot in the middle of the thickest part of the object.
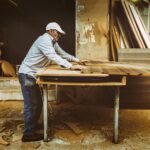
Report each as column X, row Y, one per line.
column 58, row 76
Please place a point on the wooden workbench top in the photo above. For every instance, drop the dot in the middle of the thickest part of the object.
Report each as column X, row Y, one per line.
column 56, row 71
column 99, row 69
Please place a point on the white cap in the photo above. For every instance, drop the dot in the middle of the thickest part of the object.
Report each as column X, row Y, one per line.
column 54, row 25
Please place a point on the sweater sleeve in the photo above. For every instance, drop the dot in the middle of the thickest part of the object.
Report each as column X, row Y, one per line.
column 64, row 54
column 49, row 51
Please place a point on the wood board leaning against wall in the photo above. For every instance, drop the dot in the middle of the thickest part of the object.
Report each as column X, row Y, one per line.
column 128, row 31
column 130, row 44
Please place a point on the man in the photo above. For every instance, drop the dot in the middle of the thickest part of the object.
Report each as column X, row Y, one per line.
column 44, row 50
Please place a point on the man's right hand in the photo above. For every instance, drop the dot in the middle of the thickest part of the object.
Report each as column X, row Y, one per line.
column 77, row 67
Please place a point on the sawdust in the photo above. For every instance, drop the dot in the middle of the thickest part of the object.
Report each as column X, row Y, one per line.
column 95, row 122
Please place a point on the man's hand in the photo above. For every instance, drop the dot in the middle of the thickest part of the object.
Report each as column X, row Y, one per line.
column 77, row 67
column 82, row 62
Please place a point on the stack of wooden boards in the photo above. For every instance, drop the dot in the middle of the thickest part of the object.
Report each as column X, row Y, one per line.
column 117, row 68
column 137, row 55
column 129, row 31
column 7, row 69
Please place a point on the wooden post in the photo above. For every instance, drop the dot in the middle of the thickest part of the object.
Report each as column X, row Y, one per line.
column 56, row 94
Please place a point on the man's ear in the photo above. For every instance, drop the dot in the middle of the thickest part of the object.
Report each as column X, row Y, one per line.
column 49, row 31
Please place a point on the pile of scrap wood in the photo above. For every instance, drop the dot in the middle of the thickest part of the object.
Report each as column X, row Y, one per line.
column 6, row 68
column 128, row 31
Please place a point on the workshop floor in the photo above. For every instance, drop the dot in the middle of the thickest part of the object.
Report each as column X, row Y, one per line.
column 77, row 127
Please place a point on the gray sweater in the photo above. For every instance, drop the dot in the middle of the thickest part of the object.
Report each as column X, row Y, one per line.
column 42, row 53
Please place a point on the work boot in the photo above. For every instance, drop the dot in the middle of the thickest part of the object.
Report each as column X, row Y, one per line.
column 32, row 137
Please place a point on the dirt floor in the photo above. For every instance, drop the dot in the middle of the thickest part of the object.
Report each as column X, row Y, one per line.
column 77, row 127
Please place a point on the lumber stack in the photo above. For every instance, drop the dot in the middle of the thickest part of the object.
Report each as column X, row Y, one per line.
column 117, row 68
column 129, row 32
column 137, row 55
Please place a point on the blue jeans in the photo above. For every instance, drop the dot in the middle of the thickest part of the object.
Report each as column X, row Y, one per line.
column 32, row 102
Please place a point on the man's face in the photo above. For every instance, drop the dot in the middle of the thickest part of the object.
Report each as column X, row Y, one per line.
column 55, row 34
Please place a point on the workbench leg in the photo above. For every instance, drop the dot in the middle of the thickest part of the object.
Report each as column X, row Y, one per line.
column 56, row 94
column 116, row 115
column 45, row 112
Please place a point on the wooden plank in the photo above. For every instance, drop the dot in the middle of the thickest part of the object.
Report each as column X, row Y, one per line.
column 113, row 49
column 114, row 71
column 117, row 64
column 134, row 55
column 116, row 45
column 83, row 84
column 65, row 72
column 140, row 26
column 126, row 18
column 135, row 50
column 127, row 29
column 117, row 35
column 146, row 61
column 120, row 69
column 115, row 38
column 122, row 65
column 123, row 34
column 133, row 25
column 111, row 44
column 143, row 24
column 124, row 70
column 122, row 44
column 102, row 69
column 134, row 72
column 73, row 127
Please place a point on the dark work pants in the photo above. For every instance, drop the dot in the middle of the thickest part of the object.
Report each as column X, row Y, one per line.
column 32, row 102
